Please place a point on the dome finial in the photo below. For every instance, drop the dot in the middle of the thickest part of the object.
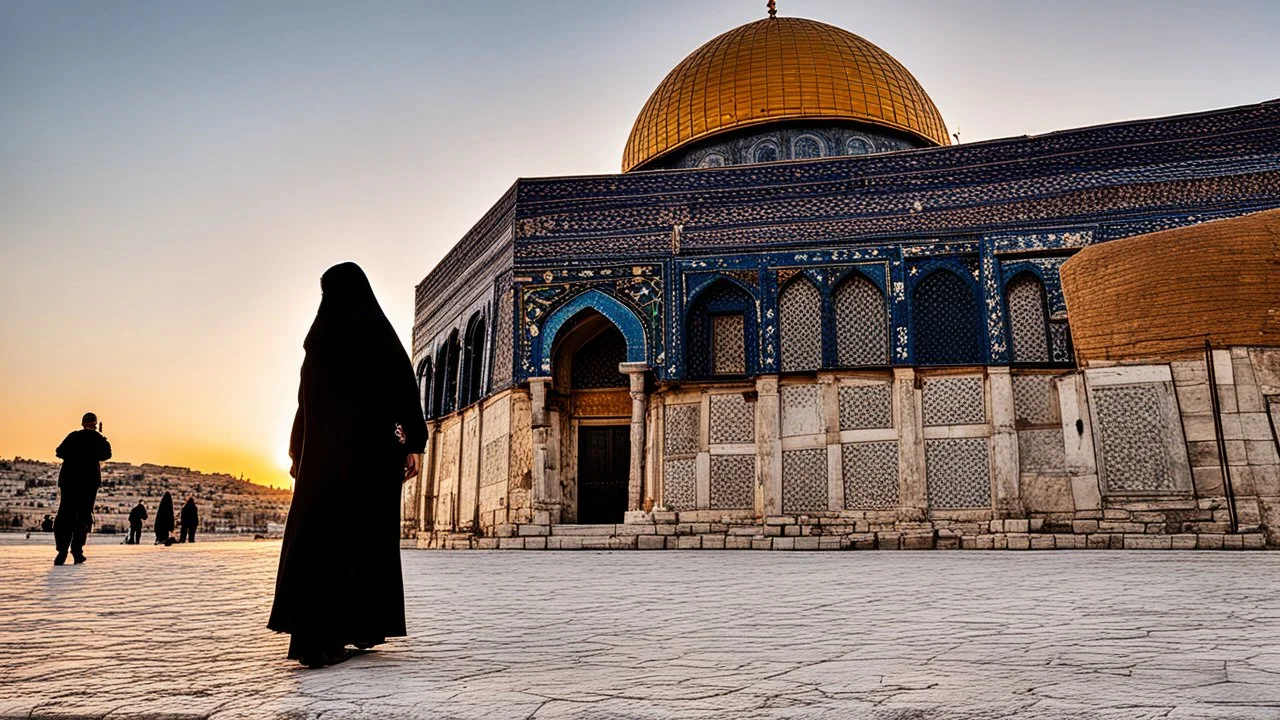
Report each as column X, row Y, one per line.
column 773, row 8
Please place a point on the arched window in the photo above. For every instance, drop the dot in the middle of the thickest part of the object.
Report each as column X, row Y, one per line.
column 800, row 323
column 806, row 147
column 764, row 151
column 862, row 323
column 721, row 329
column 1028, row 321
column 858, row 146
column 438, row 384
column 425, row 379
column 449, row 402
column 473, row 361
column 948, row 324
column 711, row 160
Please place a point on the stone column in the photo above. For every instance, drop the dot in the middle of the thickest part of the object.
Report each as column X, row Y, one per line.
column 768, row 447
column 913, row 490
column 1004, row 444
column 546, row 495
column 427, row 480
column 635, row 372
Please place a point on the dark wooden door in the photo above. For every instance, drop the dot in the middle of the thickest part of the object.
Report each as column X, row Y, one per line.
column 604, row 467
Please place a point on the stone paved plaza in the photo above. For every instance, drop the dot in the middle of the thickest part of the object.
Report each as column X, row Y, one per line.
column 146, row 632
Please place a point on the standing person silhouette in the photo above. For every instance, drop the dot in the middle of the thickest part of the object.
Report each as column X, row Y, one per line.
column 82, row 453
column 136, row 516
column 164, row 520
column 356, row 437
column 190, row 521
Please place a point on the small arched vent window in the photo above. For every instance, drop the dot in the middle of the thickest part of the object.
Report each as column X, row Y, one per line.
column 858, row 146
column 1028, row 321
column 800, row 320
column 764, row 152
column 711, row 160
column 862, row 323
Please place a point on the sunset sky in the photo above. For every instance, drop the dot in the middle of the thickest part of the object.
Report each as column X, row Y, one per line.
column 175, row 176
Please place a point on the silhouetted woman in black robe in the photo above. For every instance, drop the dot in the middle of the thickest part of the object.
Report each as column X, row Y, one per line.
column 356, row 437
column 164, row 518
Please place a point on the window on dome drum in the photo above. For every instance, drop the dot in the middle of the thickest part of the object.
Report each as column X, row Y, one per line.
column 862, row 323
column 712, row 160
column 765, row 152
column 1028, row 319
column 425, row 378
column 947, row 322
column 806, row 147
column 858, row 146
column 720, row 328
column 449, row 401
column 800, row 321
column 472, row 362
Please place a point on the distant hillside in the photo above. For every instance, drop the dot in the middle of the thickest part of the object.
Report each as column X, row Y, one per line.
column 29, row 489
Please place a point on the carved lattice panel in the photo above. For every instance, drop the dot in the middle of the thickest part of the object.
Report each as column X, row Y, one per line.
column 801, row 410
column 870, row 475
column 949, row 328
column 733, row 419
column 1041, row 451
column 866, row 406
column 595, row 364
column 862, row 326
column 804, row 480
column 1134, row 436
column 958, row 473
column 680, row 484
column 681, row 429
column 1060, row 339
column 954, row 401
column 1034, row 400
column 1027, row 321
column 728, row 349
column 800, row 318
column 733, row 482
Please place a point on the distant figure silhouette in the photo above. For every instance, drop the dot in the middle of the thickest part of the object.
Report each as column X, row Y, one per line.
column 136, row 516
column 164, row 520
column 82, row 453
column 349, row 457
column 190, row 521
column 47, row 524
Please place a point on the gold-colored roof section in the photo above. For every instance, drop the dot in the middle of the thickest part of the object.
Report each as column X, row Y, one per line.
column 780, row 68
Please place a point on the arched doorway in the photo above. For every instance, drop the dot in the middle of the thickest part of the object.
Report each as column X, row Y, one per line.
column 596, row 418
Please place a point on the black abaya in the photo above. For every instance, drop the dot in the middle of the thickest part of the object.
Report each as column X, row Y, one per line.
column 339, row 579
column 164, row 518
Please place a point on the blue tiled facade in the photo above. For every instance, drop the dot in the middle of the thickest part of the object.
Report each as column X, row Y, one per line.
column 922, row 225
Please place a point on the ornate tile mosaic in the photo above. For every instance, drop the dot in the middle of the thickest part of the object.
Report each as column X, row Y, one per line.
column 801, row 409
column 954, row 401
column 864, row 407
column 727, row 349
column 862, row 326
column 682, row 429
column 1133, row 438
column 870, row 475
column 800, row 321
column 680, row 484
column 1028, row 325
column 958, row 473
column 733, row 482
column 733, row 419
column 804, row 480
column 1041, row 451
column 1034, row 400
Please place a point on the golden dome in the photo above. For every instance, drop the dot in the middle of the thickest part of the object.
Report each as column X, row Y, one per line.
column 780, row 68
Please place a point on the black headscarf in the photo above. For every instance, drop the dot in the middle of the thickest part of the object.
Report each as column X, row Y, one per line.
column 349, row 312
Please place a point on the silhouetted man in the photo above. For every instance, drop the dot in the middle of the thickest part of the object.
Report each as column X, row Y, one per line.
column 47, row 524
column 136, row 516
column 190, row 520
column 82, row 453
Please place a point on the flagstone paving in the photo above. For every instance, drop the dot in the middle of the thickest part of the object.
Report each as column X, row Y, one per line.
column 147, row 632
